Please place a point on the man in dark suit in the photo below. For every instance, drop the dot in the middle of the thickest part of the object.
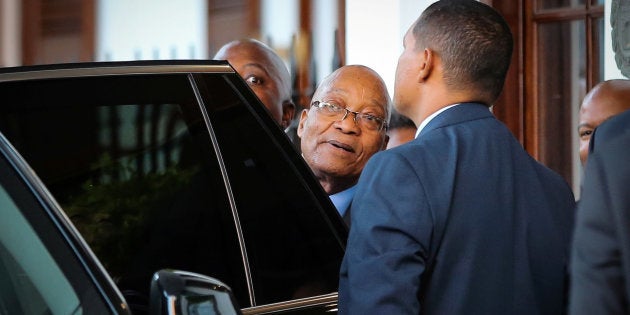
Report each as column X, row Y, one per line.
column 600, row 259
column 460, row 220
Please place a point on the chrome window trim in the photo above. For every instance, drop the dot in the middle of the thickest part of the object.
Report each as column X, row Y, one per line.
column 327, row 300
column 105, row 69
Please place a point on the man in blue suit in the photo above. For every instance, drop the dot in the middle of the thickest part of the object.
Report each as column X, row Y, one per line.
column 600, row 261
column 460, row 220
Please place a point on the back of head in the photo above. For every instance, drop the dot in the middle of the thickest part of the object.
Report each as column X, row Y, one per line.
column 401, row 130
column 400, row 121
column 473, row 41
column 613, row 93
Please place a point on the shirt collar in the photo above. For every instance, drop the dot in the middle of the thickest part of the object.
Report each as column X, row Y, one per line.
column 426, row 121
column 342, row 199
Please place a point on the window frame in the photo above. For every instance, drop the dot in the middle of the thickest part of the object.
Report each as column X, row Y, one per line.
column 518, row 106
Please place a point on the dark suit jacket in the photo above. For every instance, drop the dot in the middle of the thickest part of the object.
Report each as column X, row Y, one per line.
column 460, row 220
column 600, row 261
column 612, row 128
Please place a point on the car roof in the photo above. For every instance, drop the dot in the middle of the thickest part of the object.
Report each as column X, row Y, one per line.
column 113, row 68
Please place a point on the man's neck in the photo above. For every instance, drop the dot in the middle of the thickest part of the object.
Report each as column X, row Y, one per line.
column 430, row 104
column 335, row 185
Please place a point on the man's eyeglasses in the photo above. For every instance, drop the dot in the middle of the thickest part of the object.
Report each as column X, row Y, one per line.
column 335, row 111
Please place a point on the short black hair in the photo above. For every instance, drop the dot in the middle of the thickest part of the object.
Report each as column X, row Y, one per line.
column 400, row 121
column 473, row 41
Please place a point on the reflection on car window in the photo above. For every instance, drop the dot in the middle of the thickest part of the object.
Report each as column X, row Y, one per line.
column 135, row 171
column 32, row 283
column 39, row 270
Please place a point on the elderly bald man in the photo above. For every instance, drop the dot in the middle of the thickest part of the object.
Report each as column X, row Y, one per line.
column 345, row 125
column 266, row 74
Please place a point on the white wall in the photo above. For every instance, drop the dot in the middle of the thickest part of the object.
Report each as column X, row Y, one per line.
column 279, row 21
column 325, row 19
column 278, row 24
column 151, row 29
column 10, row 29
column 375, row 30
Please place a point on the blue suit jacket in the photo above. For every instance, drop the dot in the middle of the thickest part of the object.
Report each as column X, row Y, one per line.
column 460, row 220
column 600, row 263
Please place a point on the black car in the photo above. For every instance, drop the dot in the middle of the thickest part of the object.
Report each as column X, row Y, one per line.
column 176, row 165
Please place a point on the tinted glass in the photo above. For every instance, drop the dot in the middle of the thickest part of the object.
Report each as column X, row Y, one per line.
column 39, row 272
column 600, row 48
column 293, row 247
column 562, row 86
column 130, row 161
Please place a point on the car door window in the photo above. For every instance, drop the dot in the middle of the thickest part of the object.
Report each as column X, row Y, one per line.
column 150, row 180
column 131, row 163
column 293, row 246
column 40, row 273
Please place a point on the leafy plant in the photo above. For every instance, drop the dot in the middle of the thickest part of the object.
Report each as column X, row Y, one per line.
column 113, row 210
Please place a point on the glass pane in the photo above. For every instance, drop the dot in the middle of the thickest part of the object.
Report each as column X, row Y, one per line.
column 40, row 273
column 135, row 171
column 561, row 86
column 557, row 4
column 599, row 50
column 32, row 282
column 292, row 248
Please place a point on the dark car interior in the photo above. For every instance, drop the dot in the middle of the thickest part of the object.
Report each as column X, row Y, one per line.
column 151, row 184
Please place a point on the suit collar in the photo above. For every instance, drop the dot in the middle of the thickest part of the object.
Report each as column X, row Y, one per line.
column 426, row 121
column 457, row 114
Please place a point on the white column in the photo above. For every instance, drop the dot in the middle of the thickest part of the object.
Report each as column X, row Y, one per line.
column 10, row 33
column 324, row 17
column 375, row 30
column 279, row 22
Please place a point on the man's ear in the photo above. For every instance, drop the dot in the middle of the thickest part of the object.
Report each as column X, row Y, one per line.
column 426, row 58
column 385, row 142
column 288, row 110
column 303, row 117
